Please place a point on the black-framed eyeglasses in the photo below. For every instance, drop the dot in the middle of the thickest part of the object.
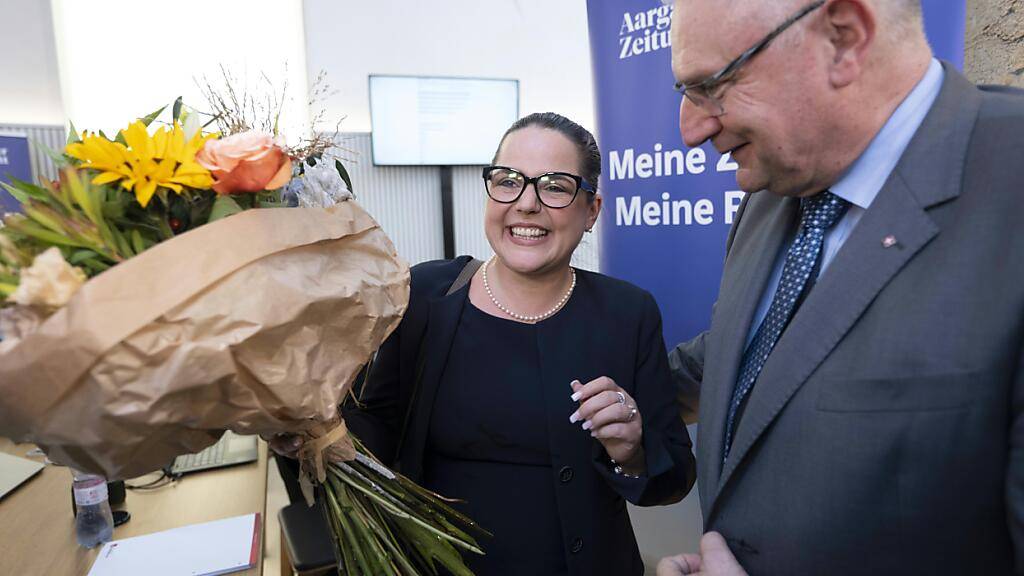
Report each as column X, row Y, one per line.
column 707, row 93
column 554, row 189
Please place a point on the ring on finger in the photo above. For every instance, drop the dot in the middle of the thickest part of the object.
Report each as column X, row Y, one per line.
column 632, row 413
column 622, row 397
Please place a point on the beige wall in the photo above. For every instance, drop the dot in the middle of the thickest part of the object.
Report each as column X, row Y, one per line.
column 994, row 51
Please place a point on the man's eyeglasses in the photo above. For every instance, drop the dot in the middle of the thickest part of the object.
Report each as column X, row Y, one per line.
column 554, row 189
column 707, row 94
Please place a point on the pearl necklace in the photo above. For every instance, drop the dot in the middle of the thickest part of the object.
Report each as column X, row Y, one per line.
column 524, row 317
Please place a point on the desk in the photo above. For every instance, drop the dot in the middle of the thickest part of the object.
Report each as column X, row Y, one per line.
column 37, row 531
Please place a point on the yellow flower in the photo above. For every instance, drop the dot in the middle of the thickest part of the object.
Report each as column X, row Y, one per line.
column 145, row 163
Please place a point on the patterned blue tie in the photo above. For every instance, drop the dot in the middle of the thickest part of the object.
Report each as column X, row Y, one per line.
column 818, row 214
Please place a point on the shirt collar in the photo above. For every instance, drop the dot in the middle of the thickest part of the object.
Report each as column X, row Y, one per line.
column 864, row 179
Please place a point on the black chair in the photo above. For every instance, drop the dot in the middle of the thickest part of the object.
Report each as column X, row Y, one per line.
column 307, row 548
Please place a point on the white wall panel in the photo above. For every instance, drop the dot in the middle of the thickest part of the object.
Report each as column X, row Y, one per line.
column 406, row 201
column 588, row 254
column 469, row 200
column 53, row 137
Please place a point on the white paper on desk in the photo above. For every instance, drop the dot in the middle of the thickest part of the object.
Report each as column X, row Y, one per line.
column 207, row 549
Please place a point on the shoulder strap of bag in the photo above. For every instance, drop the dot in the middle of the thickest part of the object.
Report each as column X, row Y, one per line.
column 465, row 276
column 460, row 282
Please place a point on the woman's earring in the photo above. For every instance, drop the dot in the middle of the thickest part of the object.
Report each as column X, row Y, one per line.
column 588, row 230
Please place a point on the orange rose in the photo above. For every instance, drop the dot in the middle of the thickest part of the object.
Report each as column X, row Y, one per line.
column 247, row 162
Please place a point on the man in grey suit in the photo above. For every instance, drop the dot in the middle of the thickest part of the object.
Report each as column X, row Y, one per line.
column 862, row 383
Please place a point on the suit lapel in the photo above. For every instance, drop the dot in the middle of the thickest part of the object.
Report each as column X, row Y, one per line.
column 929, row 173
column 860, row 270
column 748, row 269
column 443, row 320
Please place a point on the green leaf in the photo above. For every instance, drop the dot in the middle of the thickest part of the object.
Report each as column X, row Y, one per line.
column 94, row 266
column 87, row 197
column 80, row 256
column 268, row 197
column 138, row 244
column 59, row 159
column 45, row 216
column 46, row 236
column 148, row 119
column 37, row 192
column 349, row 530
column 223, row 207
column 121, row 243
column 19, row 195
column 374, row 530
column 342, row 537
column 344, row 175
column 245, row 201
column 73, row 133
column 176, row 110
column 200, row 207
column 113, row 210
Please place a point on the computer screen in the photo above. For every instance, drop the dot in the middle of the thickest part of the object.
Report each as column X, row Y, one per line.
column 437, row 121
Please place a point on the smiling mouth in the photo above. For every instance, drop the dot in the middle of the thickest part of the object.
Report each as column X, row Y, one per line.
column 527, row 232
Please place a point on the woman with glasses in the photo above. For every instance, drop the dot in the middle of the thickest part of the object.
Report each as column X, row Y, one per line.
column 537, row 394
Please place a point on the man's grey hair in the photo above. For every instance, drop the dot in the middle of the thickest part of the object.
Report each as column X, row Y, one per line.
column 905, row 18
column 902, row 18
column 903, row 9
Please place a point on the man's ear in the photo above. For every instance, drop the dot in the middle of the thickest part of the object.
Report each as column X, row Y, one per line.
column 851, row 27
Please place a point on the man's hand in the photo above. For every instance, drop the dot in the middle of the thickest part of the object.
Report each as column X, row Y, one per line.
column 714, row 559
column 679, row 565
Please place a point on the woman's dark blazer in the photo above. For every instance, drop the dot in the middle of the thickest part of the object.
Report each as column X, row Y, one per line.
column 608, row 328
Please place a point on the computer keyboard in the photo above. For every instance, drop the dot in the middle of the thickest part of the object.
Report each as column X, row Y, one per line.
column 208, row 458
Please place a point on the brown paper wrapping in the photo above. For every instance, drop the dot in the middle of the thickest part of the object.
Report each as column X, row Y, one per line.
column 257, row 323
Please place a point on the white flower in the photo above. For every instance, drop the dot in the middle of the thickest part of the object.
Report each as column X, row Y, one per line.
column 192, row 124
column 50, row 281
column 323, row 186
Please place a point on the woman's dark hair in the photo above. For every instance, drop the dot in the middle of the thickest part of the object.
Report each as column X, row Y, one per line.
column 586, row 145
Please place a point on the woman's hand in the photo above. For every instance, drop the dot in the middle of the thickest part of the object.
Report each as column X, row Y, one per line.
column 284, row 444
column 611, row 416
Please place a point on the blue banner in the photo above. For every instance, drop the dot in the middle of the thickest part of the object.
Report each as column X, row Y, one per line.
column 944, row 22
column 14, row 161
column 668, row 208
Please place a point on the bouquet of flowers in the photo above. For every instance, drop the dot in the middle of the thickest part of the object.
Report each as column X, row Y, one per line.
column 175, row 283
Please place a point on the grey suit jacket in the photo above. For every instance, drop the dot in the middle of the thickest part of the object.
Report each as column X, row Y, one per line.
column 885, row 434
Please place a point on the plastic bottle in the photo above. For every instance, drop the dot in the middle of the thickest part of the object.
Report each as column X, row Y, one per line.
column 94, row 523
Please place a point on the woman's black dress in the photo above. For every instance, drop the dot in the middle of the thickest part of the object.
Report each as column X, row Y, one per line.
column 488, row 445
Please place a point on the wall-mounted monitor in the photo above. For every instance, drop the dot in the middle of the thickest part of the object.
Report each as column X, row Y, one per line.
column 435, row 121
